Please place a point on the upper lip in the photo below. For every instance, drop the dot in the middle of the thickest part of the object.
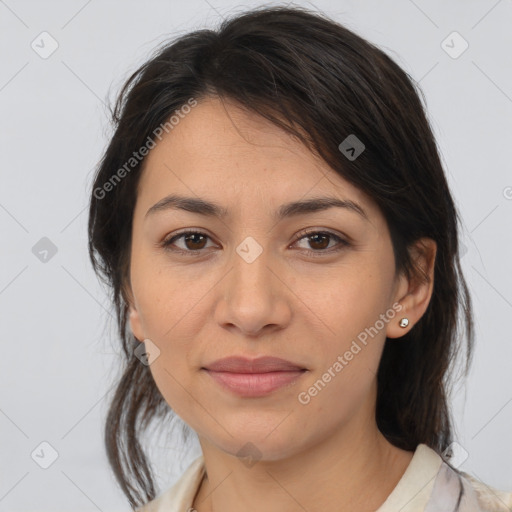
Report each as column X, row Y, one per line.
column 238, row 364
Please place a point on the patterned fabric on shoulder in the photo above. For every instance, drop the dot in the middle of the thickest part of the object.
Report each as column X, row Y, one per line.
column 454, row 492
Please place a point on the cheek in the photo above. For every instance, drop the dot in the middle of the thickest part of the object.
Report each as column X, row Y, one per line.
column 350, row 308
column 169, row 300
column 170, row 378
column 170, row 308
column 347, row 300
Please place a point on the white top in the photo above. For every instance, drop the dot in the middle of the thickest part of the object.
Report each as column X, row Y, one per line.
column 428, row 485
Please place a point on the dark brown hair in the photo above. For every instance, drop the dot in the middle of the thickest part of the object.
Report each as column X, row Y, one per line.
column 321, row 82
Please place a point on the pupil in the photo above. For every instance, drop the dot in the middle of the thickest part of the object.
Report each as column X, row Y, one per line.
column 315, row 240
column 191, row 237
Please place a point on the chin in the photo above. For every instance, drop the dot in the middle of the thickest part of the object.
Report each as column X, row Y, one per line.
column 256, row 444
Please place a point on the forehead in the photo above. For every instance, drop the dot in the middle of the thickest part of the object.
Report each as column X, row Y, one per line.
column 219, row 149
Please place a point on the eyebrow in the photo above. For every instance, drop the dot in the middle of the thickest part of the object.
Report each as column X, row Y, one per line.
column 295, row 208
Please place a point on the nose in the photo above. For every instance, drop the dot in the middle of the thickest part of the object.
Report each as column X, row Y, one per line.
column 254, row 299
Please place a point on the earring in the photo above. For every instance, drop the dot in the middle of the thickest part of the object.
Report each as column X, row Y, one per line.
column 404, row 322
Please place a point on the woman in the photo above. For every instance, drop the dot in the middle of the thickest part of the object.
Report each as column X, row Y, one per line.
column 276, row 226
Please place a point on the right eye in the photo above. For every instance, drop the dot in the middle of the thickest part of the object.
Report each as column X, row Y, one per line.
column 194, row 242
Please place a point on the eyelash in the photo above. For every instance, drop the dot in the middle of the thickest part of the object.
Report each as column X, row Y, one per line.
column 166, row 244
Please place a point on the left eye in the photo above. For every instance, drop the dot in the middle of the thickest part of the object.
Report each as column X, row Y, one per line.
column 320, row 240
column 194, row 242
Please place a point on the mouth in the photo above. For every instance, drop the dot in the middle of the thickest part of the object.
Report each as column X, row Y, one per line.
column 255, row 384
column 254, row 377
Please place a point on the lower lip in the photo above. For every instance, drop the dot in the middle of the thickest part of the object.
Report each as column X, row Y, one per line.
column 255, row 384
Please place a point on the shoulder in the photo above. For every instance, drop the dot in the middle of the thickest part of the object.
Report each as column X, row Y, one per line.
column 431, row 484
column 180, row 496
column 489, row 498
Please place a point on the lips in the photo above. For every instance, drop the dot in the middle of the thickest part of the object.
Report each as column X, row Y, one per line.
column 265, row 364
column 254, row 377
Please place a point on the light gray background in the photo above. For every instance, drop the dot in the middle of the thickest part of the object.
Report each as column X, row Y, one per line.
column 59, row 351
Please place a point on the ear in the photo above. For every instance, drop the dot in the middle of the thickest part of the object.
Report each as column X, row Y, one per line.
column 136, row 324
column 414, row 294
column 134, row 316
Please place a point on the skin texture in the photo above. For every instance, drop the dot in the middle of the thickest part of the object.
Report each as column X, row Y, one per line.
column 328, row 453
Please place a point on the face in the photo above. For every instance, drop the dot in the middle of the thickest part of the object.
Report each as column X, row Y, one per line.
column 316, row 288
